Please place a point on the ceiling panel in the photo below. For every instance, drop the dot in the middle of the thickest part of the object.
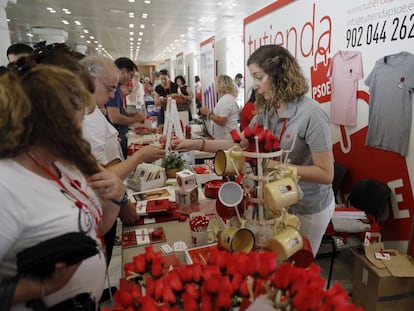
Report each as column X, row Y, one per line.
column 171, row 26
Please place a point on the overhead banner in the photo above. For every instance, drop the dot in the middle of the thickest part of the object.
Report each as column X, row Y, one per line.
column 316, row 32
column 208, row 72
column 179, row 65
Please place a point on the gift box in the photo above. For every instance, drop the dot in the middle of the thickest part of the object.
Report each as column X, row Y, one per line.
column 186, row 197
column 186, row 180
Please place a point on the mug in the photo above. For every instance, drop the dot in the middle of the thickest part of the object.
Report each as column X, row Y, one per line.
column 229, row 162
column 236, row 239
column 292, row 221
column 199, row 238
column 230, row 194
column 286, row 242
column 281, row 193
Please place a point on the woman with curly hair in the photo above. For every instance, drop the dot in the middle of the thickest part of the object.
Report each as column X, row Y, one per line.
column 283, row 106
column 50, row 185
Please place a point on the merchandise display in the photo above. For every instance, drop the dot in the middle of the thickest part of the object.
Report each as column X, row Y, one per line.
column 390, row 84
column 344, row 72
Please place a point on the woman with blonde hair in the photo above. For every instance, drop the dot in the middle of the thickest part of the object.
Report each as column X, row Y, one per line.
column 226, row 113
column 50, row 185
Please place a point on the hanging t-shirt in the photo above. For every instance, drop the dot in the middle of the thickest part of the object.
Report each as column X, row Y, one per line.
column 390, row 84
column 344, row 73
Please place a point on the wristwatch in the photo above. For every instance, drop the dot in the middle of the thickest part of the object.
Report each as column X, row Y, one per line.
column 122, row 202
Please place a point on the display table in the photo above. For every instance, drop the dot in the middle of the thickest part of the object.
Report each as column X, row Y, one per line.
column 174, row 231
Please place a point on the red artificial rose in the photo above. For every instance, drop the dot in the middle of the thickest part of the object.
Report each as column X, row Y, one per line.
column 189, row 302
column 212, row 284
column 206, row 303
column 124, row 298
column 248, row 132
column 336, row 295
column 267, row 264
column 173, row 280
column 192, row 290
column 308, row 298
column 223, row 301
column 140, row 264
column 156, row 266
column 185, row 273
column 235, row 135
column 259, row 287
column 149, row 253
column 197, row 272
column 243, row 263
column 129, row 268
column 222, row 259
column 150, row 286
column 283, row 276
column 158, row 289
column 148, row 304
column 236, row 281
column 268, row 146
column 276, row 145
column 244, row 288
column 168, row 295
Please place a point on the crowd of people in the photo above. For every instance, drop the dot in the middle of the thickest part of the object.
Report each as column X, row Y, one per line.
column 63, row 155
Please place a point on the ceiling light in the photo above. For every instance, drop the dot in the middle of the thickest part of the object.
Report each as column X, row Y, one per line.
column 87, row 41
column 91, row 37
column 82, row 36
column 131, row 39
column 147, row 1
column 142, row 26
column 85, row 31
column 68, row 12
column 144, row 15
column 141, row 33
column 96, row 41
column 65, row 22
column 132, row 1
column 131, row 33
column 131, row 14
column 30, row 35
column 7, row 19
column 131, row 25
column 139, row 39
column 78, row 23
column 50, row 9
column 100, row 45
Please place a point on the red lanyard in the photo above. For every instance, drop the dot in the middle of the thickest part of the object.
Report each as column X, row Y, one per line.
column 97, row 213
column 283, row 129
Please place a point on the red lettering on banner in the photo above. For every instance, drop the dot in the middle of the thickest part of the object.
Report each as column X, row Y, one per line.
column 320, row 84
column 290, row 40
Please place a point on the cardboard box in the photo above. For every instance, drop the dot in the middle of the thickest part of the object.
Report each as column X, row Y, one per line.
column 376, row 289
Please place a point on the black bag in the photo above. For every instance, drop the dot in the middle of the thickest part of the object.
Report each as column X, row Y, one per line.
column 39, row 261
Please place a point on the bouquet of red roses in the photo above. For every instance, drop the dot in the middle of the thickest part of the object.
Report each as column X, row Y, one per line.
column 227, row 280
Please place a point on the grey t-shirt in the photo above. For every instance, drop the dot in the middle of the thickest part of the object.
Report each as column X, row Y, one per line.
column 311, row 123
column 391, row 83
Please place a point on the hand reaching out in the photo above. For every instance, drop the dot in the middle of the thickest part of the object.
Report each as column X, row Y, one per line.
column 107, row 185
column 150, row 153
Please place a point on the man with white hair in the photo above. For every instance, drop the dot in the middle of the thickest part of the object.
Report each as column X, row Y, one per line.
column 103, row 137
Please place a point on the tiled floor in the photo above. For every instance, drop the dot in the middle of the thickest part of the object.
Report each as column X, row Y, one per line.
column 342, row 271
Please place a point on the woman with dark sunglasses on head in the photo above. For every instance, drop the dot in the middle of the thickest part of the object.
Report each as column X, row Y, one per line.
column 50, row 185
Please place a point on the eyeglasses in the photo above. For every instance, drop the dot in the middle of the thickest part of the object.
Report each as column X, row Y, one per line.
column 109, row 89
